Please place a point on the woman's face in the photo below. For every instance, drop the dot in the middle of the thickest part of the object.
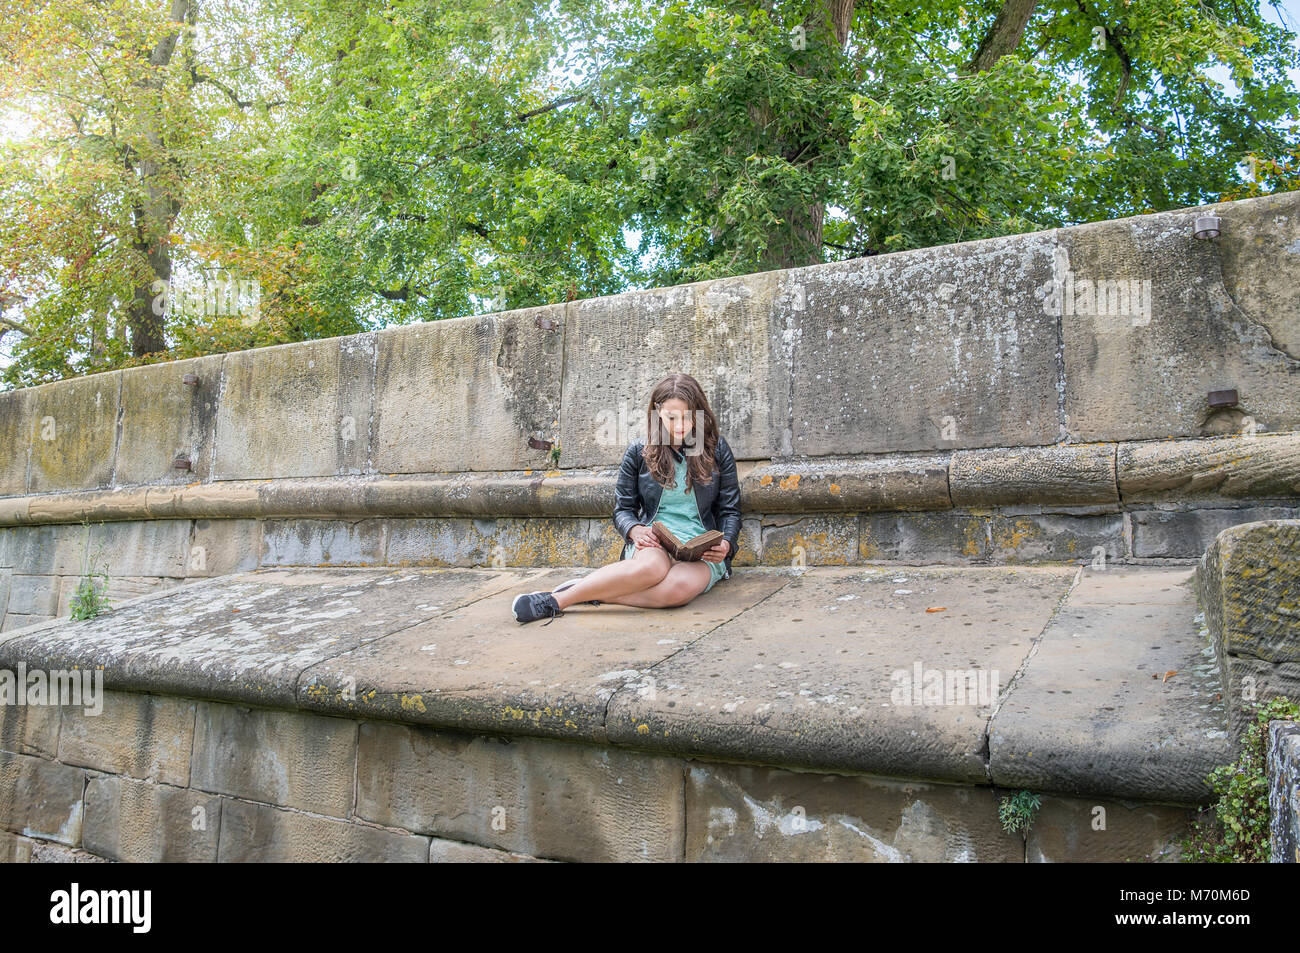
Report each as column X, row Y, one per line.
column 676, row 418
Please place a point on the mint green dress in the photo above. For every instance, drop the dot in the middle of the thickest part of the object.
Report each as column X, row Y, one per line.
column 681, row 514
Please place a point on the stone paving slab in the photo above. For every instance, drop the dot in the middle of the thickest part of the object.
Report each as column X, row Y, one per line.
column 887, row 671
column 248, row 637
column 478, row 669
column 825, row 673
column 1121, row 689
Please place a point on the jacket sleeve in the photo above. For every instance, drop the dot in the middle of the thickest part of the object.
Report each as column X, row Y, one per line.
column 627, row 490
column 728, row 498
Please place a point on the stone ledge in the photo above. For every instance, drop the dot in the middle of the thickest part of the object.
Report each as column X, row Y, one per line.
column 1248, row 584
column 786, row 668
column 1205, row 469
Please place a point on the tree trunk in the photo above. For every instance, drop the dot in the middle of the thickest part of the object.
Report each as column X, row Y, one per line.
column 1004, row 36
column 797, row 241
column 156, row 213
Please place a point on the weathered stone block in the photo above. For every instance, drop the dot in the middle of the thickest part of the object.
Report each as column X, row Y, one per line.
column 118, row 590
column 318, row 391
column 615, row 348
column 34, row 595
column 828, row 540
column 163, row 417
column 140, row 736
column 1065, row 474
column 324, row 542
column 943, row 537
column 824, row 675
column 893, row 482
column 738, row 813
column 1079, row 830
column 484, row 543
column 1283, row 768
column 1249, row 586
column 46, row 550
column 54, row 854
column 16, row 435
column 14, row 621
column 1260, row 241
column 542, row 798
column 908, row 351
column 30, row 729
column 1055, row 537
column 1237, row 467
column 1250, row 683
column 15, row 849
column 468, row 393
column 1188, row 533
column 140, row 822
column 1145, row 294
column 142, row 547
column 259, row 833
column 40, row 798
column 1121, row 698
column 221, row 547
column 73, row 430
column 287, row 758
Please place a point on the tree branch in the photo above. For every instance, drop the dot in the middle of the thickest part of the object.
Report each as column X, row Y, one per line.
column 16, row 326
column 404, row 293
column 519, row 118
column 196, row 77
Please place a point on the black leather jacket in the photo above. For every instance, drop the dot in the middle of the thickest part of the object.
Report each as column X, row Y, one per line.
column 637, row 494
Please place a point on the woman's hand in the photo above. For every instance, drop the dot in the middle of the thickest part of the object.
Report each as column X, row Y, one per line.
column 644, row 538
column 718, row 553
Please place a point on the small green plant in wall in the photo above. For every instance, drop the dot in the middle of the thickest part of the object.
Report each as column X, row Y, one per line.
column 1016, row 811
column 1235, row 828
column 89, row 601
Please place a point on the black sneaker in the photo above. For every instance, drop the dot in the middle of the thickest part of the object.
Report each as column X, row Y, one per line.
column 533, row 605
column 574, row 582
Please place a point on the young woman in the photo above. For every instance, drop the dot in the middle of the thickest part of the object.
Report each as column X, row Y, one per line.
column 684, row 477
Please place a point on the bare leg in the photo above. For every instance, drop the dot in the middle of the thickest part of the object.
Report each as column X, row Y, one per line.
column 683, row 583
column 646, row 568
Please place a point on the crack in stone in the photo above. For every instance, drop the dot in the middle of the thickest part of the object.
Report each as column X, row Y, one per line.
column 1255, row 322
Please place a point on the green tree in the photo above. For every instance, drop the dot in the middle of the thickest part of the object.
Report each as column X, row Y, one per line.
column 371, row 164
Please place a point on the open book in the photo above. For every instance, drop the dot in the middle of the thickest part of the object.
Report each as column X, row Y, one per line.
column 691, row 550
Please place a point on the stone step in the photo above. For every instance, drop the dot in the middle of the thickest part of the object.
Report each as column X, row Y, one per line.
column 1056, row 679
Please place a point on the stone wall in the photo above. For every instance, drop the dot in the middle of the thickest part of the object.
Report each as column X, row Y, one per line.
column 164, row 778
column 1284, row 792
column 965, row 403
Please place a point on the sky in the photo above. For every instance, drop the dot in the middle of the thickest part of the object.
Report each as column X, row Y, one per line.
column 13, row 126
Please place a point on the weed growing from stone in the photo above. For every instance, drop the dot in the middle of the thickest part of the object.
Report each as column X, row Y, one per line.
column 88, row 601
column 1235, row 828
column 1017, row 810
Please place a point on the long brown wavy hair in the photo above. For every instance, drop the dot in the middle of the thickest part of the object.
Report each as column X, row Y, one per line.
column 700, row 466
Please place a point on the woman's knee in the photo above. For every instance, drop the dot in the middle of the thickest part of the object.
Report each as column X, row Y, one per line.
column 651, row 567
column 683, row 588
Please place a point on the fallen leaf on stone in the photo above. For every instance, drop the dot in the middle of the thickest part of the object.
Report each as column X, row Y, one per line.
column 937, row 609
